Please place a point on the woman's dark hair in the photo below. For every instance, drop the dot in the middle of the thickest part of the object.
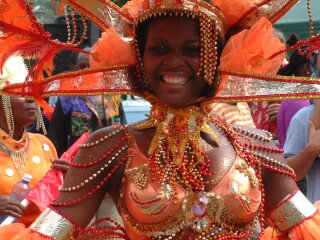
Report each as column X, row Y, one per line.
column 295, row 60
column 74, row 58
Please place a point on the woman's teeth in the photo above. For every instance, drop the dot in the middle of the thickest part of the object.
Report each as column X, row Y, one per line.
column 178, row 80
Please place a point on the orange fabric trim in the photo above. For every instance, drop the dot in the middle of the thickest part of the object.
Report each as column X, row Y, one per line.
column 19, row 232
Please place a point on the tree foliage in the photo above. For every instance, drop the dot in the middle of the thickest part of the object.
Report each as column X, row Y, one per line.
column 43, row 11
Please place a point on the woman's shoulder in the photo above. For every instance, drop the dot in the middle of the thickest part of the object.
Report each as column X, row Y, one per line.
column 108, row 134
column 243, row 132
column 40, row 138
column 44, row 143
column 105, row 140
column 105, row 151
column 261, row 145
column 258, row 136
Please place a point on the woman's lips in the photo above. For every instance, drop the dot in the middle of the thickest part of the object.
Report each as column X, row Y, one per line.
column 32, row 109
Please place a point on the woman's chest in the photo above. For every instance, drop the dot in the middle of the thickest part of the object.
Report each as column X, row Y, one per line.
column 231, row 194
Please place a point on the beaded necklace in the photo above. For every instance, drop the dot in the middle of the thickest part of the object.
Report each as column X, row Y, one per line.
column 16, row 150
column 176, row 154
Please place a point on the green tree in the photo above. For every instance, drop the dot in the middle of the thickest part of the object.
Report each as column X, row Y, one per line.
column 43, row 11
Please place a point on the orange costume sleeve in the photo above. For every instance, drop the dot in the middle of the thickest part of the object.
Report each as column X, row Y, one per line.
column 17, row 231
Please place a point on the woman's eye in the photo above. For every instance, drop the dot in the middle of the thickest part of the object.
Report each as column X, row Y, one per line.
column 192, row 50
column 159, row 49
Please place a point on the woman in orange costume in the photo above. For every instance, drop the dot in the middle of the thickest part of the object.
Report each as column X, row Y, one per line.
column 182, row 173
column 21, row 152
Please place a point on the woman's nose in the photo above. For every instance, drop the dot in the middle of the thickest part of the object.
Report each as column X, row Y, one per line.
column 174, row 59
column 30, row 100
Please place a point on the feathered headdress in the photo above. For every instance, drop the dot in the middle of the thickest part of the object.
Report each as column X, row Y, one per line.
column 245, row 71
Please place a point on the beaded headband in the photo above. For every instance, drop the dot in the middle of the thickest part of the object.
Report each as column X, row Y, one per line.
column 245, row 25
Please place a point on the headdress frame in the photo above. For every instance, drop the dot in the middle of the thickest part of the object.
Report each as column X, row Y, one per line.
column 272, row 10
column 121, row 78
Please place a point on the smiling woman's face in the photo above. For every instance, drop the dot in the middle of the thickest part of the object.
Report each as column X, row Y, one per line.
column 171, row 60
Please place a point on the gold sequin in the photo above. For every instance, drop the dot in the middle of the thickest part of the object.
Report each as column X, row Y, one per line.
column 140, row 178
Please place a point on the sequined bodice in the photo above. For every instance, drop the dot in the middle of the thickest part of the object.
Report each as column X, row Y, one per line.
column 148, row 209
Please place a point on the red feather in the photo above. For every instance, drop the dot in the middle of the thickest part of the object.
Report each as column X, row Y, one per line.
column 23, row 35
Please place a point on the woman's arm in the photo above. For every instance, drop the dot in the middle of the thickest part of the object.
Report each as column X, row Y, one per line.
column 303, row 161
column 286, row 208
column 91, row 175
column 97, row 168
